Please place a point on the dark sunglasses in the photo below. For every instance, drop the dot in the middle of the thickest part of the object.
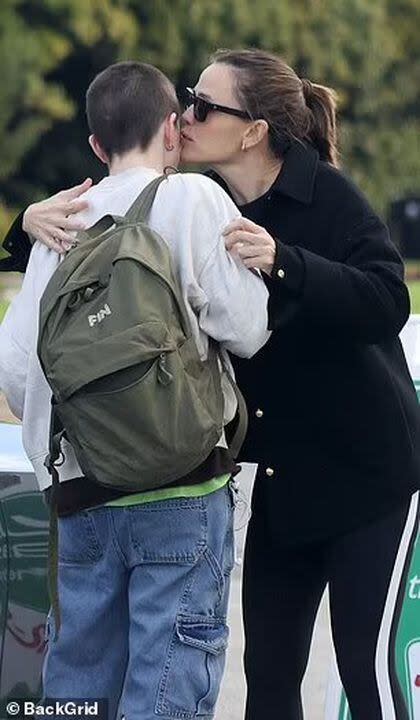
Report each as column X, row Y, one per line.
column 202, row 107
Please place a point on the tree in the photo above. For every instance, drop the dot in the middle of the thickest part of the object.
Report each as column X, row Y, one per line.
column 29, row 104
column 366, row 49
column 38, row 39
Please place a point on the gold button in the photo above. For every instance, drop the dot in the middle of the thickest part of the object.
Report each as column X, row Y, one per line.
column 259, row 413
column 281, row 273
column 269, row 472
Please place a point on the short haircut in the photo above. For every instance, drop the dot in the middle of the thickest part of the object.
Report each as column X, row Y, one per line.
column 126, row 104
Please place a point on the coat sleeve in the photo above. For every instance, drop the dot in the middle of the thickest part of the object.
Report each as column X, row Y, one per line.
column 360, row 296
column 18, row 247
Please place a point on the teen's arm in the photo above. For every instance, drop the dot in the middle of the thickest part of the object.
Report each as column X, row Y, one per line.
column 19, row 329
column 16, row 339
column 229, row 300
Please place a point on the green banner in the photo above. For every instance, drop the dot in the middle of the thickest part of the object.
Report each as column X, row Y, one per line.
column 407, row 651
column 407, row 647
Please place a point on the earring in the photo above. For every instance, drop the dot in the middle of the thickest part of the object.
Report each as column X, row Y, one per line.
column 169, row 148
column 243, row 146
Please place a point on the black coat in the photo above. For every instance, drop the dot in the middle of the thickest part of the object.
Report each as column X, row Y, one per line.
column 334, row 419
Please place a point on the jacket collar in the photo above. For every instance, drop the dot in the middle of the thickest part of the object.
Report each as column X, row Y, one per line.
column 297, row 175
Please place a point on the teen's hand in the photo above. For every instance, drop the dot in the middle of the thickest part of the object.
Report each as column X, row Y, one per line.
column 50, row 221
column 252, row 243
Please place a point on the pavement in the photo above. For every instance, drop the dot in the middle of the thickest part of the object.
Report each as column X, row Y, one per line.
column 5, row 414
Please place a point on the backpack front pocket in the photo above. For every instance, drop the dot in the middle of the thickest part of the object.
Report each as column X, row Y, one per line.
column 142, row 428
column 138, row 345
column 120, row 380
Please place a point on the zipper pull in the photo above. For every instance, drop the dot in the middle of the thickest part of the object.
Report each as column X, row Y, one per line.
column 164, row 376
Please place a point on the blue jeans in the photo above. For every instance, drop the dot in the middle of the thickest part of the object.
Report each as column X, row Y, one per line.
column 144, row 597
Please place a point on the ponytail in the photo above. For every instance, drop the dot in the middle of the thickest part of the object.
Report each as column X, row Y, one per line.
column 322, row 104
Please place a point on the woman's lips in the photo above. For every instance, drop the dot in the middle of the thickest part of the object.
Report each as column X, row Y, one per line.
column 185, row 137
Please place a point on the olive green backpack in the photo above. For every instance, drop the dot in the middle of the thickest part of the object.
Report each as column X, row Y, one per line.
column 130, row 392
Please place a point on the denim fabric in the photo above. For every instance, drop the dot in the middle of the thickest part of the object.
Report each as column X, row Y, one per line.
column 144, row 596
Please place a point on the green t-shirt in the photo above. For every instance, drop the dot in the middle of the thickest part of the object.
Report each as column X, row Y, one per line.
column 182, row 491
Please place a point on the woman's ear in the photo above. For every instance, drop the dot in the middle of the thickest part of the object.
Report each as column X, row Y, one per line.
column 253, row 135
column 101, row 154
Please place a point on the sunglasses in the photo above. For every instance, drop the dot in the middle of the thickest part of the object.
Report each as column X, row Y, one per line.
column 202, row 107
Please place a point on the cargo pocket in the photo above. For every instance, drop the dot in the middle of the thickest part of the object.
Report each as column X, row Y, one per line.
column 194, row 668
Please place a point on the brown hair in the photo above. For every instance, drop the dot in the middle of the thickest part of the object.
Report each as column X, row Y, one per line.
column 126, row 105
column 294, row 109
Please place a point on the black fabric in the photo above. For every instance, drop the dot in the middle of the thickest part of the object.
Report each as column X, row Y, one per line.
column 281, row 593
column 81, row 493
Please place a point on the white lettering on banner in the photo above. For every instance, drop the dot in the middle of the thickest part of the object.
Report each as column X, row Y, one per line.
column 414, row 591
column 101, row 315
column 67, row 709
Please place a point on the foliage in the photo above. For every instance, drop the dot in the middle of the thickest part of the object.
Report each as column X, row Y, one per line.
column 50, row 50
column 39, row 42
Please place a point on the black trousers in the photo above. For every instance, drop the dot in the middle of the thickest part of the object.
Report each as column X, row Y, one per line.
column 366, row 571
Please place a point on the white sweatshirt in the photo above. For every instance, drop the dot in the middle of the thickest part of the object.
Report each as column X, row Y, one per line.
column 224, row 300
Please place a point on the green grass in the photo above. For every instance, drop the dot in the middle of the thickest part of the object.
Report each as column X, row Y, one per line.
column 3, row 306
column 414, row 288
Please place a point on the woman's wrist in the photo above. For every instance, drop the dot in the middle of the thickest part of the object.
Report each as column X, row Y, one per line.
column 288, row 271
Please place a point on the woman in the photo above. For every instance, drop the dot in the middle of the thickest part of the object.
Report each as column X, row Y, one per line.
column 334, row 417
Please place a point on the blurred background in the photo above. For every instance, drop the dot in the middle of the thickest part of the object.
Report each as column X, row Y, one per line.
column 368, row 50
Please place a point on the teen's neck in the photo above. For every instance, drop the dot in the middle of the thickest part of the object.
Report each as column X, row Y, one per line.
column 250, row 177
column 152, row 159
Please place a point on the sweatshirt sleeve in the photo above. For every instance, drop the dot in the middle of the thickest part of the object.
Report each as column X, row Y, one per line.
column 15, row 346
column 19, row 329
column 235, row 308
column 229, row 300
column 18, row 247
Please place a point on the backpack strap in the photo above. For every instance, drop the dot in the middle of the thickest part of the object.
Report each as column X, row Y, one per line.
column 142, row 205
column 54, row 459
column 238, row 438
column 102, row 225
column 241, row 428
column 241, row 416
column 137, row 212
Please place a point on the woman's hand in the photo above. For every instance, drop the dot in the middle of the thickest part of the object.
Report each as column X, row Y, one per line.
column 50, row 221
column 252, row 243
